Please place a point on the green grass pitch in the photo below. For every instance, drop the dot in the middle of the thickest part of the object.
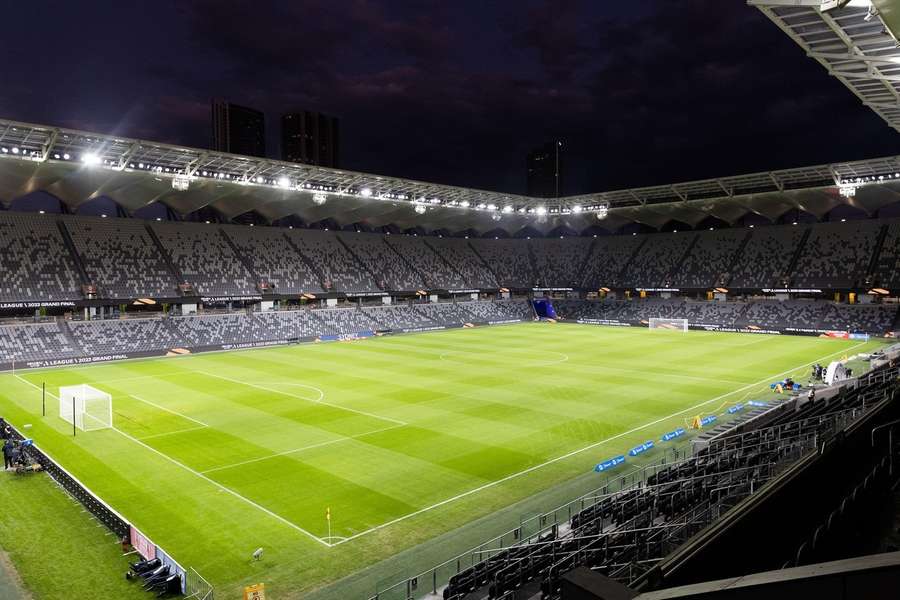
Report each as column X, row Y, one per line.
column 403, row 438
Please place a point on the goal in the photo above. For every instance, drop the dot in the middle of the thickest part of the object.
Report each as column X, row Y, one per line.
column 86, row 407
column 671, row 324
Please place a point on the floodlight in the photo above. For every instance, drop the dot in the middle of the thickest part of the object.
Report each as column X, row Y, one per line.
column 508, row 208
column 366, row 192
column 284, row 182
column 602, row 210
column 541, row 210
column 464, row 204
column 89, row 159
column 576, row 209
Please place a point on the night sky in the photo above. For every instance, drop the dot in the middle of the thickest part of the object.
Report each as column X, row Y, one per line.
column 640, row 92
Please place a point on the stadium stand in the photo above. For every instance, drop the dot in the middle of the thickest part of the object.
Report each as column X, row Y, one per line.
column 463, row 259
column 836, row 255
column 887, row 268
column 709, row 262
column 436, row 272
column 399, row 317
column 206, row 259
column 35, row 262
column 812, row 315
column 655, row 263
column 509, row 259
column 41, row 341
column 500, row 310
column 121, row 258
column 344, row 321
column 111, row 336
column 767, row 257
column 274, row 259
column 338, row 269
column 387, row 266
column 559, row 262
column 608, row 258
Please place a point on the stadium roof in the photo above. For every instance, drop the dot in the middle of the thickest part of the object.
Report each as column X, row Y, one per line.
column 77, row 166
column 855, row 40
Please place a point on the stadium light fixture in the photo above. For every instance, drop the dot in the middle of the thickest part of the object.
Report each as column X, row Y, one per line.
column 541, row 210
column 41, row 211
column 284, row 182
column 4, row 150
column 15, row 150
column 367, row 192
column 577, row 209
column 508, row 208
column 464, row 204
column 91, row 159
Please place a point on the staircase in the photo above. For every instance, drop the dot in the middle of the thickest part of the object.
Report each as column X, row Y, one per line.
column 360, row 262
column 240, row 256
column 874, row 267
column 426, row 280
column 627, row 265
column 801, row 245
column 76, row 258
column 579, row 275
column 723, row 281
column 173, row 270
column 485, row 263
column 448, row 263
column 309, row 264
column 680, row 263
column 538, row 279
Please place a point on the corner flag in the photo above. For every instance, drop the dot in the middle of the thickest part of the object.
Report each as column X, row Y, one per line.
column 328, row 514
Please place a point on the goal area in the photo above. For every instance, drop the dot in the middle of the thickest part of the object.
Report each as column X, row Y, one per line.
column 86, row 407
column 670, row 324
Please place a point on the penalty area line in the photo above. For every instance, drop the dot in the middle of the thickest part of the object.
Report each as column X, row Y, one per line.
column 208, row 480
column 224, row 488
column 297, row 396
column 580, row 450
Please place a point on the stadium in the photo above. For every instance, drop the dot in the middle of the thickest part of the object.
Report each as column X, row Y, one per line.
column 256, row 377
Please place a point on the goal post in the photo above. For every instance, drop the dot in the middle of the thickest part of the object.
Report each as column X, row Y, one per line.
column 85, row 406
column 670, row 324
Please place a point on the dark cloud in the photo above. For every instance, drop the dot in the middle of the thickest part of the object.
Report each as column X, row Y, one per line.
column 640, row 92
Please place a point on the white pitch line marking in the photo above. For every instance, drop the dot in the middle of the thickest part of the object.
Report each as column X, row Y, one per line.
column 295, row 450
column 159, row 435
column 169, row 410
column 447, row 357
column 210, row 481
column 223, row 488
column 319, row 401
column 580, row 450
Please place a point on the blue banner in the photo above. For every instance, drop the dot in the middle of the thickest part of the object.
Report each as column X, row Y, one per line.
column 642, row 448
column 667, row 437
column 707, row 420
column 757, row 403
column 609, row 464
column 735, row 408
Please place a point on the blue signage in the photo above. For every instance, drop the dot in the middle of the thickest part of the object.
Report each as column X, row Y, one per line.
column 673, row 434
column 735, row 408
column 642, row 448
column 707, row 420
column 757, row 403
column 609, row 464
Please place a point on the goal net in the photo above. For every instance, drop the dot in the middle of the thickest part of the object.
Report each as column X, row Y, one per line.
column 671, row 324
column 85, row 406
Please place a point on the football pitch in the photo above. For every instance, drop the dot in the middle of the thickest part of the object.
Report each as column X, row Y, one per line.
column 399, row 439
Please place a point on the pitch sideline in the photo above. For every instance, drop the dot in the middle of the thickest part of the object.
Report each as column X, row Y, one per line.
column 579, row 451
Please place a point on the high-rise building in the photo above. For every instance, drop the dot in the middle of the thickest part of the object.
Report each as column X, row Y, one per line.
column 311, row 138
column 238, row 129
column 544, row 166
